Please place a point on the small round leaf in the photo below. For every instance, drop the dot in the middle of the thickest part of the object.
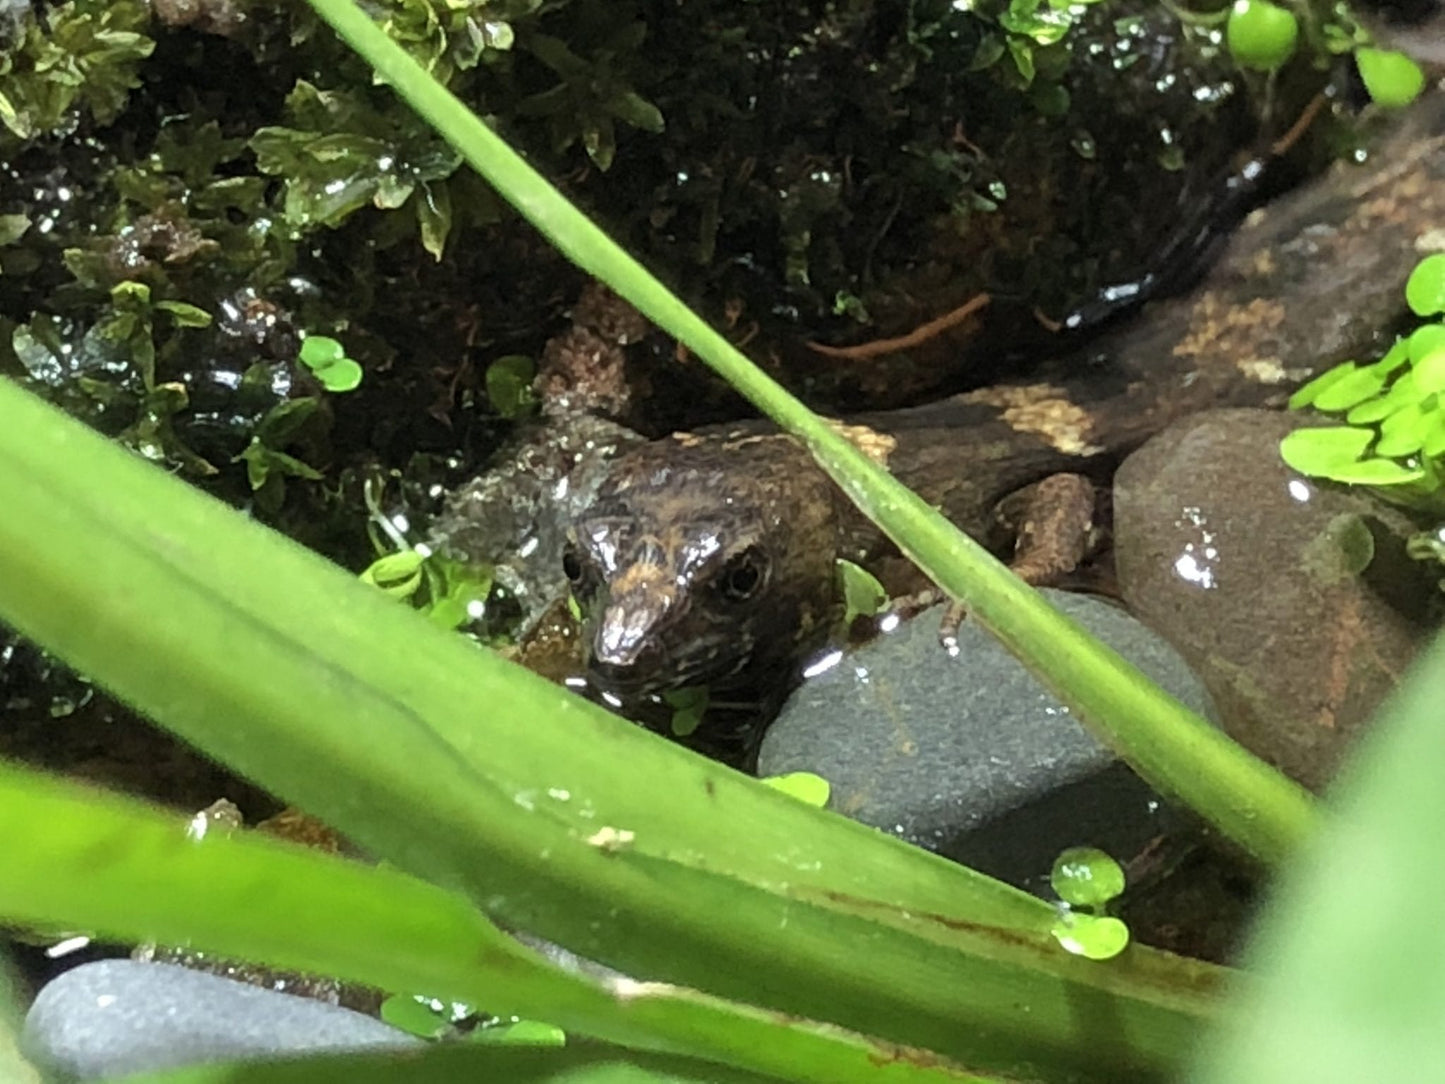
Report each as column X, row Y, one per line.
column 1319, row 452
column 1392, row 79
column 1425, row 289
column 1086, row 877
column 1395, row 358
column 1430, row 371
column 1350, row 391
column 1091, row 937
column 1375, row 472
column 319, row 351
column 343, row 375
column 1305, row 395
column 1260, row 35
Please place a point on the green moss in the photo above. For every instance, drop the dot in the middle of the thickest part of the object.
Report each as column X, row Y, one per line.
column 83, row 60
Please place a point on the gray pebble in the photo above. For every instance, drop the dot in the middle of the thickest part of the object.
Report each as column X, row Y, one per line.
column 113, row 1017
column 970, row 756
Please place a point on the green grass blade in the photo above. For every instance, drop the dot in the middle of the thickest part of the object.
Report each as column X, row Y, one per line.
column 465, row 1064
column 109, row 865
column 480, row 776
column 1175, row 749
column 1351, row 966
column 14, row 1067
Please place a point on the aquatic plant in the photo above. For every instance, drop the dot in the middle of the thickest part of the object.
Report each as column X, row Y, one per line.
column 1394, row 439
column 501, row 796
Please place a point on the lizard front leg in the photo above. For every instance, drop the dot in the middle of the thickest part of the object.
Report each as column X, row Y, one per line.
column 1055, row 532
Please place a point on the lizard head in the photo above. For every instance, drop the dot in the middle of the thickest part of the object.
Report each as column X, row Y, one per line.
column 704, row 561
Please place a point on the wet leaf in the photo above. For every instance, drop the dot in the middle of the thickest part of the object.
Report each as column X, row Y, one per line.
column 397, row 574
column 1374, row 472
column 863, row 595
column 1403, row 432
column 1394, row 359
column 509, row 385
column 319, row 351
column 344, row 375
column 184, row 314
column 283, row 421
column 1091, row 937
column 1350, row 390
column 1391, row 78
column 1430, row 371
column 1318, row 452
column 434, row 216
column 415, row 1016
column 1425, row 289
column 12, row 228
column 1425, row 340
column 1086, row 877
column 1261, row 35
column 1305, row 396
column 1372, row 410
column 688, row 707
column 636, row 110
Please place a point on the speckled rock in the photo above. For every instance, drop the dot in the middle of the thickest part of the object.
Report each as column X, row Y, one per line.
column 970, row 756
column 1293, row 600
column 115, row 1017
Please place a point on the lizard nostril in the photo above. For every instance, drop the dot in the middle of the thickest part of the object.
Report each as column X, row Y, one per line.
column 572, row 566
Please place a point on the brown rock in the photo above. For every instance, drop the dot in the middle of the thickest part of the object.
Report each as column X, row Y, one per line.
column 1292, row 599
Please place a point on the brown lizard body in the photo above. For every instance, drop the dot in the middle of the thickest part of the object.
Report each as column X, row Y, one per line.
column 708, row 558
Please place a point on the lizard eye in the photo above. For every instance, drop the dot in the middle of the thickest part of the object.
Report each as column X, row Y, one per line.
column 743, row 576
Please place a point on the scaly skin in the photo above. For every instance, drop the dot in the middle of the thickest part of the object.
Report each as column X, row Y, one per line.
column 709, row 558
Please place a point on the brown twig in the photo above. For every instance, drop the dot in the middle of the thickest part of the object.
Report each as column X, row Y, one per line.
column 1299, row 127
column 916, row 337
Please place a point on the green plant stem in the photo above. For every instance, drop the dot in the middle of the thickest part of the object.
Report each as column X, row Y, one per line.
column 119, row 869
column 1173, row 748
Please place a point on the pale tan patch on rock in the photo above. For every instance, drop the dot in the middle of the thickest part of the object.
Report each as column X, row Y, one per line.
column 1264, row 263
column 1430, row 241
column 1224, row 334
column 1269, row 371
column 1045, row 411
column 875, row 445
column 1397, row 204
column 688, row 440
column 734, row 442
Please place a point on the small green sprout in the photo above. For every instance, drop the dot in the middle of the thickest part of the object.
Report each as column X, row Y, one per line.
column 1086, row 877
column 509, row 385
column 1261, row 35
column 863, row 595
column 1393, row 438
column 327, row 360
column 688, row 707
column 1086, row 880
column 1425, row 289
column 1391, row 78
column 419, row 1016
column 446, row 592
column 806, row 787
column 433, row 1019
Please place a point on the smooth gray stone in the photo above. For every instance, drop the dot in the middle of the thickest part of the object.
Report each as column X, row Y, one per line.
column 970, row 756
column 113, row 1017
